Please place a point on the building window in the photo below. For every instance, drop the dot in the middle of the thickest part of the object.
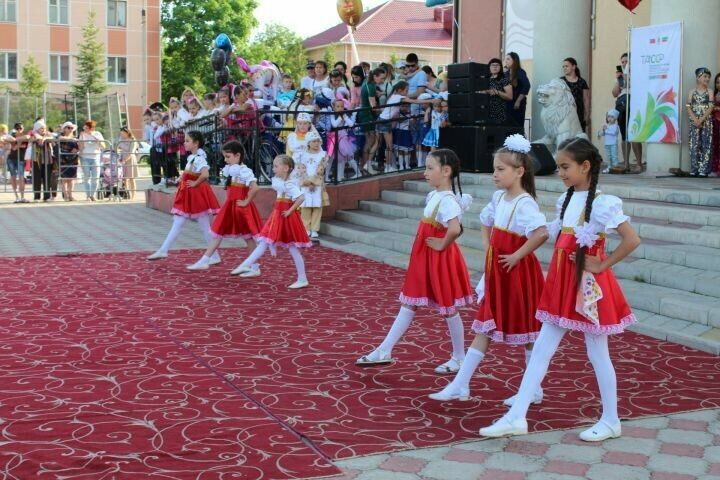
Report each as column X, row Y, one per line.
column 7, row 11
column 59, row 68
column 58, row 12
column 8, row 66
column 117, row 13
column 117, row 70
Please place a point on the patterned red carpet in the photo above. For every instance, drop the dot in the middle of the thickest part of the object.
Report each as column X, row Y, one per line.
column 112, row 366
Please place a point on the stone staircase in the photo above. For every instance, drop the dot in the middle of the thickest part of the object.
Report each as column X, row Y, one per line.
column 672, row 280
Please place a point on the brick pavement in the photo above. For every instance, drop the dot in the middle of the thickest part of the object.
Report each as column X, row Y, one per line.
column 676, row 447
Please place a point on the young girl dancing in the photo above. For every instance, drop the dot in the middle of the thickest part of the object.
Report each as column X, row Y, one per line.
column 238, row 217
column 581, row 292
column 513, row 228
column 437, row 276
column 284, row 227
column 194, row 197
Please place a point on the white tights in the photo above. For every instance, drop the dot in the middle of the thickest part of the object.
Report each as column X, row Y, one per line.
column 294, row 253
column 543, row 351
column 178, row 222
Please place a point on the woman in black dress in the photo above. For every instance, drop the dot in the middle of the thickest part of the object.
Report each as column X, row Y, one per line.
column 580, row 91
column 500, row 92
column 521, row 88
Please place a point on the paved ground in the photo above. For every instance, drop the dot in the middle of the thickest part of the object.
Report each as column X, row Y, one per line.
column 677, row 447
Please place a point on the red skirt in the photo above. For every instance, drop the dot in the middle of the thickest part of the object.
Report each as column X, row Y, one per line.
column 507, row 311
column 558, row 300
column 438, row 280
column 233, row 221
column 284, row 231
column 196, row 201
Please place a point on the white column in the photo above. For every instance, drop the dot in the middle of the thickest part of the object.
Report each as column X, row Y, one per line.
column 701, row 38
column 562, row 29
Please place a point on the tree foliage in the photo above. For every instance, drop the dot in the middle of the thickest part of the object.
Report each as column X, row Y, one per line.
column 91, row 62
column 280, row 45
column 189, row 30
column 32, row 81
column 329, row 55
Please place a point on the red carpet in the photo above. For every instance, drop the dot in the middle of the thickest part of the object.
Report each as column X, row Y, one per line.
column 111, row 353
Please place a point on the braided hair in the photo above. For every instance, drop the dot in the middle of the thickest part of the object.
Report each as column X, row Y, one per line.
column 445, row 156
column 236, row 148
column 581, row 150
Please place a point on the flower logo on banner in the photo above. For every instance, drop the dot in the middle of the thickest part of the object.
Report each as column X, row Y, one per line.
column 659, row 112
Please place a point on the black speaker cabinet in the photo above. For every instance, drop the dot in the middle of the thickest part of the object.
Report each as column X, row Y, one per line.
column 542, row 159
column 468, row 100
column 475, row 144
column 469, row 115
column 468, row 84
column 470, row 69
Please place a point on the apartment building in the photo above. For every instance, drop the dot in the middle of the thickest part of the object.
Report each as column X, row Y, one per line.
column 50, row 31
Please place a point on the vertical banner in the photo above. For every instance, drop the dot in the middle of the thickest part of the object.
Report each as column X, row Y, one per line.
column 655, row 56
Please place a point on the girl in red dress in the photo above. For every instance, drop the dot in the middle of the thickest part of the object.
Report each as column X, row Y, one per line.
column 581, row 292
column 437, row 276
column 284, row 227
column 513, row 228
column 238, row 217
column 194, row 197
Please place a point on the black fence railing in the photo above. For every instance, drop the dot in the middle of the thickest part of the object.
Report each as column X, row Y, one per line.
column 263, row 134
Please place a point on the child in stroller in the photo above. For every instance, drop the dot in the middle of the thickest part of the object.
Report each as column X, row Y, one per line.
column 111, row 185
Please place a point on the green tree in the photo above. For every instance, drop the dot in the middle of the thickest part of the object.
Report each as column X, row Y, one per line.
column 189, row 30
column 394, row 58
column 329, row 55
column 91, row 63
column 32, row 82
column 280, row 45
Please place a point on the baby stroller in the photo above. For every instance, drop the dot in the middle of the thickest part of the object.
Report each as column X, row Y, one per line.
column 111, row 185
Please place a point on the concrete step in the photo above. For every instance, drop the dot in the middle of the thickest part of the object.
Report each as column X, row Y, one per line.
column 664, row 313
column 702, row 193
column 398, row 219
column 666, row 212
column 410, row 204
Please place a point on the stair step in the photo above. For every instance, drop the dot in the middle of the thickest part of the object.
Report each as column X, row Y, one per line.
column 664, row 313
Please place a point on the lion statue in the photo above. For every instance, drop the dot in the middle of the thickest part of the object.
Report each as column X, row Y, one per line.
column 559, row 115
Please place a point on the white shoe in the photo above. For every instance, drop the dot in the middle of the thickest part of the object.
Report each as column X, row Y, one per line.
column 601, row 431
column 199, row 265
column 214, row 259
column 451, row 393
column 298, row 284
column 450, row 367
column 536, row 400
column 366, row 361
column 314, row 234
column 157, row 255
column 240, row 269
column 505, row 427
column 250, row 274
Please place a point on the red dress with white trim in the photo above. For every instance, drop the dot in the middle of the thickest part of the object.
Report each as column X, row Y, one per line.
column 439, row 280
column 598, row 306
column 280, row 230
column 509, row 299
column 234, row 221
column 193, row 202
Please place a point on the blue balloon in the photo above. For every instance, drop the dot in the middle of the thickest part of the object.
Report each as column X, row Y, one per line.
column 223, row 42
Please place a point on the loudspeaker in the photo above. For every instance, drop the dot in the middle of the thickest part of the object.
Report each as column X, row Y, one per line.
column 465, row 108
column 470, row 69
column 468, row 84
column 542, row 159
column 468, row 100
column 475, row 144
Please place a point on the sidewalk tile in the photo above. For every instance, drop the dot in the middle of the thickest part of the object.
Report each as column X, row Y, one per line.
column 675, row 464
column 606, row 471
column 502, row 475
column 646, row 446
column 671, row 476
column 566, row 468
column 683, row 424
column 575, row 453
column 526, row 448
column 639, row 432
column 515, row 462
column 625, row 458
column 403, row 464
column 702, row 439
column 467, row 456
column 682, row 449
column 445, row 470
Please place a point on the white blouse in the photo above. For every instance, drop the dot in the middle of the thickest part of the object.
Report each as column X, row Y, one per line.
column 526, row 218
column 606, row 214
column 196, row 162
column 239, row 173
column 451, row 206
column 286, row 188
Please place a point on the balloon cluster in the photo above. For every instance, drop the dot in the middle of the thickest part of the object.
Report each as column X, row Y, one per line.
column 221, row 58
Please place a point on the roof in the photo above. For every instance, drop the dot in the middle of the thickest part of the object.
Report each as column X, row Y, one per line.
column 397, row 22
